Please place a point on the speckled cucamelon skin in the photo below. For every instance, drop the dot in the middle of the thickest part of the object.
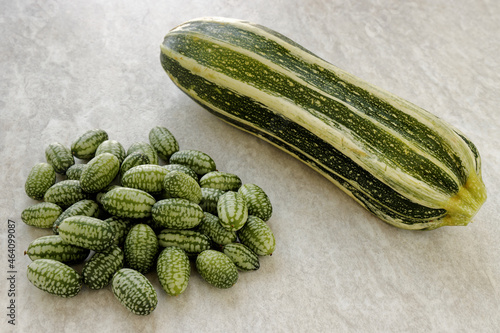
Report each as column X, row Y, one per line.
column 113, row 147
column 176, row 213
column 163, row 141
column 99, row 270
column 182, row 168
column 40, row 178
column 133, row 159
column 177, row 184
column 65, row 193
column 244, row 258
column 41, row 215
column 209, row 199
column 173, row 269
column 100, row 172
column 59, row 156
column 146, row 177
column 87, row 232
column 128, row 202
column 141, row 248
column 258, row 202
column 85, row 207
column 196, row 160
column 210, row 225
column 191, row 241
column 121, row 226
column 74, row 172
column 54, row 277
column 232, row 210
column 55, row 248
column 85, row 146
column 258, row 236
column 146, row 148
column 221, row 180
column 134, row 291
column 217, row 269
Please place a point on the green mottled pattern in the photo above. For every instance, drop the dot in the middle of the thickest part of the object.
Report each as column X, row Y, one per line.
column 232, row 210
column 141, row 248
column 173, row 269
column 196, row 160
column 85, row 146
column 258, row 236
column 134, row 291
column 98, row 271
column 121, row 226
column 113, row 147
column 40, row 178
column 244, row 258
column 163, row 141
column 55, row 248
column 41, row 215
column 87, row 232
column 209, row 199
column 258, row 202
column 146, row 177
column 176, row 213
column 59, row 156
column 65, row 193
column 86, row 207
column 132, row 160
column 100, row 172
column 217, row 269
column 182, row 168
column 74, row 172
column 128, row 202
column 191, row 241
column 146, row 148
column 211, row 226
column 54, row 277
column 177, row 184
column 221, row 180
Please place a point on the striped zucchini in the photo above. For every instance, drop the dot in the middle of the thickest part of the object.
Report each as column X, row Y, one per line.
column 134, row 291
column 258, row 202
column 99, row 270
column 41, row 215
column 41, row 177
column 59, row 156
column 244, row 258
column 217, row 269
column 84, row 207
column 100, row 172
column 177, row 184
column 87, row 232
column 146, row 177
column 85, row 146
column 55, row 248
column 173, row 269
column 65, row 193
column 176, row 213
column 113, row 147
column 193, row 242
column 163, row 141
column 258, row 236
column 145, row 148
column 232, row 210
column 54, row 277
column 128, row 202
column 221, row 180
column 403, row 164
column 196, row 160
column 141, row 248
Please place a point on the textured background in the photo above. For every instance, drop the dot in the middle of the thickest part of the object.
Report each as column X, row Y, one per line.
column 70, row 66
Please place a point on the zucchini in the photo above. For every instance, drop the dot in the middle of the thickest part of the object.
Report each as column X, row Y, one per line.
column 403, row 164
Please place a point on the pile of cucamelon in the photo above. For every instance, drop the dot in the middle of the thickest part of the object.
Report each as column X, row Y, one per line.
column 122, row 214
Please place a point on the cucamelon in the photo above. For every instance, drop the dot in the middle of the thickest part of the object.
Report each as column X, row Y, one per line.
column 41, row 215
column 98, row 271
column 85, row 146
column 55, row 248
column 244, row 258
column 65, row 193
column 191, row 241
column 258, row 236
column 74, row 172
column 54, row 277
column 209, row 199
column 211, row 226
column 163, row 141
column 87, row 232
column 176, row 213
column 257, row 201
column 182, row 168
column 177, row 184
column 59, row 156
column 224, row 181
column 141, row 248
column 217, row 269
column 401, row 163
column 121, row 226
column 128, row 202
column 196, row 160
column 134, row 291
column 86, row 207
column 232, row 210
column 173, row 269
column 113, row 147
column 132, row 160
column 40, row 178
column 145, row 148
column 146, row 177
column 100, row 172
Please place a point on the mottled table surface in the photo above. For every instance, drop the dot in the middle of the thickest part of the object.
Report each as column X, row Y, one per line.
column 70, row 66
